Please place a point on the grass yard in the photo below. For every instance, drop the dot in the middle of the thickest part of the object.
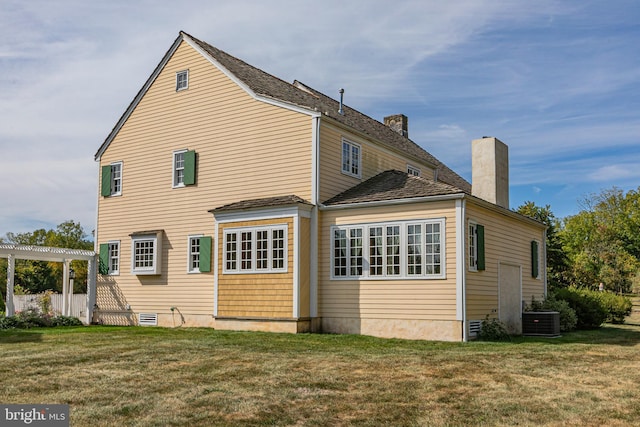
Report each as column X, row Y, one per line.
column 121, row 376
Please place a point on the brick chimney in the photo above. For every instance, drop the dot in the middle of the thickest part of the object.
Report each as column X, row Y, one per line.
column 490, row 170
column 399, row 123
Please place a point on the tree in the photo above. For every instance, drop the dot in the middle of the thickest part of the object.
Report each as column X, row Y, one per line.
column 602, row 241
column 557, row 262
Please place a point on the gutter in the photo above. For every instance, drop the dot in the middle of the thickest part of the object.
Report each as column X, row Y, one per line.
column 392, row 202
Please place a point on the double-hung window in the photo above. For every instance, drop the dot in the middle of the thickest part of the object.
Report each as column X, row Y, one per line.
column 110, row 258
column 255, row 249
column 182, row 80
column 111, row 180
column 199, row 254
column 351, row 158
column 407, row 249
column 184, row 168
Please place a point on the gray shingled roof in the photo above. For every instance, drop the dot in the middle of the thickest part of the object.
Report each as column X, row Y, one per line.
column 301, row 95
column 392, row 185
column 266, row 202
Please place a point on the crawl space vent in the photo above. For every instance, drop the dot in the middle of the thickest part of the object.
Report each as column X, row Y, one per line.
column 148, row 319
column 474, row 327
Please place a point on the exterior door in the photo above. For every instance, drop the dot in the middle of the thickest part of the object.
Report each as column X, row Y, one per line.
column 510, row 294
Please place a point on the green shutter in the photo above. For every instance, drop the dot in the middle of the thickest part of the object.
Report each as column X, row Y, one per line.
column 205, row 254
column 534, row 259
column 103, row 267
column 106, row 181
column 189, row 168
column 481, row 258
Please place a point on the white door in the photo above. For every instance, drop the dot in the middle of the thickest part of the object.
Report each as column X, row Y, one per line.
column 510, row 290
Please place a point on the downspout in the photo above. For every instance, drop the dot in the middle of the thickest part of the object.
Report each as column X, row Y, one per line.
column 315, row 200
column 461, row 278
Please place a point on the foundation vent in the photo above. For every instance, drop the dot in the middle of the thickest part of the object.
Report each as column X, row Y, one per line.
column 474, row 327
column 148, row 319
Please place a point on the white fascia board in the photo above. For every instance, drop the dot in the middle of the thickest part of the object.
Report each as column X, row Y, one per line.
column 246, row 88
column 445, row 197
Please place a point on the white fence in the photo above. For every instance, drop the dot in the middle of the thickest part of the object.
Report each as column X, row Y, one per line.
column 78, row 304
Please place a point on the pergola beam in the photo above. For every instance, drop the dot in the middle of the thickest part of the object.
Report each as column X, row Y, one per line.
column 44, row 253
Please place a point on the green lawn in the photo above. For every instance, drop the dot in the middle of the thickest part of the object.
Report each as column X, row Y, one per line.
column 115, row 376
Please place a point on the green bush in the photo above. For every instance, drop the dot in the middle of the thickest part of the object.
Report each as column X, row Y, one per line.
column 568, row 317
column 493, row 330
column 32, row 318
column 590, row 311
column 618, row 307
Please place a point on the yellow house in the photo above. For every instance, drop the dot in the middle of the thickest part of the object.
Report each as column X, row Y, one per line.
column 231, row 199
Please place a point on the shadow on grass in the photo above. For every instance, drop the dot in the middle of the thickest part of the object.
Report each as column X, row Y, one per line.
column 19, row 336
column 609, row 334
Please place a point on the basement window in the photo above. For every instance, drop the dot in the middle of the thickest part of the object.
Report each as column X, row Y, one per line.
column 182, row 80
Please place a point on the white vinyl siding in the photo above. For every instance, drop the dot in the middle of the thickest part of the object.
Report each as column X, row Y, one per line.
column 411, row 249
column 259, row 249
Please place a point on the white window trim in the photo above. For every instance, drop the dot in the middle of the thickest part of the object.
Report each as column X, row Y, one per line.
column 359, row 165
column 155, row 268
column 109, row 243
column 403, row 251
column 191, row 270
column 472, row 235
column 238, row 251
column 173, row 168
column 186, row 72
column 412, row 170
column 118, row 193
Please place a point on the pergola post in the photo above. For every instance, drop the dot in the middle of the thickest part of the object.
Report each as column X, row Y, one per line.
column 91, row 289
column 65, row 286
column 11, row 268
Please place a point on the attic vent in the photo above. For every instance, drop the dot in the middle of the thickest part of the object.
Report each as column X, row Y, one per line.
column 148, row 319
column 474, row 327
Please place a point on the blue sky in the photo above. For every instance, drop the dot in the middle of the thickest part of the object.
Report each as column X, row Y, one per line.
column 558, row 81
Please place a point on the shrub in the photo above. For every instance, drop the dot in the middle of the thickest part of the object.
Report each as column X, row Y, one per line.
column 568, row 317
column 618, row 307
column 493, row 330
column 32, row 318
column 590, row 311
column 65, row 321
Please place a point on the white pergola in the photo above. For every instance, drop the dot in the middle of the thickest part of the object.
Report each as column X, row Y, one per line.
column 44, row 253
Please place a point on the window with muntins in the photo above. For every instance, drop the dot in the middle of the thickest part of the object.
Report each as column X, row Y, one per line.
column 182, row 80
column 407, row 249
column 111, row 180
column 178, row 168
column 109, row 258
column 145, row 250
column 194, row 254
column 255, row 249
column 412, row 170
column 351, row 163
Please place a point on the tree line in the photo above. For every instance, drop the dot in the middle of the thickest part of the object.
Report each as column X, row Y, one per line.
column 599, row 245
